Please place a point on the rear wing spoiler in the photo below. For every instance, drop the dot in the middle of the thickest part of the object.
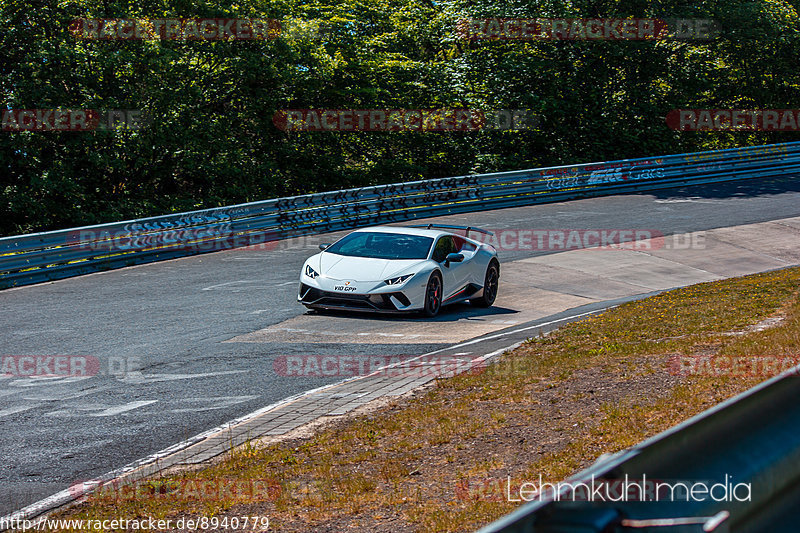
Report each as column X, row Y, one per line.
column 448, row 226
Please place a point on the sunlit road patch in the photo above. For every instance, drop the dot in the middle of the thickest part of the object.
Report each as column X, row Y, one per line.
column 516, row 303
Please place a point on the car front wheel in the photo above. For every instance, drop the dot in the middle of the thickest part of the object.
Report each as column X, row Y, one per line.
column 433, row 295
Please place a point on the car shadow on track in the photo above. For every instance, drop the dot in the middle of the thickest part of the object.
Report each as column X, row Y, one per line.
column 450, row 313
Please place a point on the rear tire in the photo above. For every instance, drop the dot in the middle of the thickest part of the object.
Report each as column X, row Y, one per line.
column 490, row 283
column 433, row 295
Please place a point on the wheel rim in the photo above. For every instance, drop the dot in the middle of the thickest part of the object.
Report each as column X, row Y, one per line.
column 490, row 287
column 434, row 294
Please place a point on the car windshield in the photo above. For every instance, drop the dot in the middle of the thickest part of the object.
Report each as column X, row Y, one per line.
column 382, row 245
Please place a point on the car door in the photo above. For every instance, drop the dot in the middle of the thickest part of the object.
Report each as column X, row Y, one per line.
column 468, row 269
column 454, row 274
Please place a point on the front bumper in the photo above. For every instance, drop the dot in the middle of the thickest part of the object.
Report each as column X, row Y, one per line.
column 386, row 302
column 327, row 293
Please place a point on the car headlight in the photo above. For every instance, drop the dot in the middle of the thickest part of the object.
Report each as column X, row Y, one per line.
column 398, row 280
column 310, row 272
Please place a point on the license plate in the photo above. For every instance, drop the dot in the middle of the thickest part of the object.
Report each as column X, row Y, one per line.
column 347, row 286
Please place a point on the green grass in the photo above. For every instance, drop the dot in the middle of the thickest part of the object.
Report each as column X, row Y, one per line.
column 434, row 461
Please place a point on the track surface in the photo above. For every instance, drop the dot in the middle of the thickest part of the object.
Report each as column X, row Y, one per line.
column 159, row 331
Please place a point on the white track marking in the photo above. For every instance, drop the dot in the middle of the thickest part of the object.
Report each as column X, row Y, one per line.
column 99, row 409
column 139, row 379
column 340, row 333
column 43, row 396
column 113, row 411
column 689, row 200
column 214, row 287
column 229, row 285
column 519, row 330
column 259, row 311
column 18, row 409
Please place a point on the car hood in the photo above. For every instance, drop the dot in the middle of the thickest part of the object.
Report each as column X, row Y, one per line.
column 363, row 268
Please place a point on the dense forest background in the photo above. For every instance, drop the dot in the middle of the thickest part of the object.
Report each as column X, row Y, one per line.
column 212, row 140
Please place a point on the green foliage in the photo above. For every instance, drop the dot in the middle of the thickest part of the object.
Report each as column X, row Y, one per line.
column 212, row 141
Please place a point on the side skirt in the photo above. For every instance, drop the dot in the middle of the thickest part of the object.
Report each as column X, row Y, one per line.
column 468, row 291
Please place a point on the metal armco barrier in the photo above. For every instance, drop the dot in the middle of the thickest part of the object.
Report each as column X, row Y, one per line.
column 38, row 257
column 753, row 439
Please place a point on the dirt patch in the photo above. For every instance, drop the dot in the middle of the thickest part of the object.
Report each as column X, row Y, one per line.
column 555, row 414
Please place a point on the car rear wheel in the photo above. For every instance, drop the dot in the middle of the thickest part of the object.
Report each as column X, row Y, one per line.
column 490, row 284
column 433, row 295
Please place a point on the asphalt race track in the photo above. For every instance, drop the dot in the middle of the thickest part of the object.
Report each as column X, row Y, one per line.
column 185, row 345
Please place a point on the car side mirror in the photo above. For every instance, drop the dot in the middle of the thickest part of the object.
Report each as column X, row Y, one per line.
column 453, row 258
column 324, row 245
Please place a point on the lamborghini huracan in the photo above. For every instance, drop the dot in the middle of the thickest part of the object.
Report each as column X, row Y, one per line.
column 401, row 269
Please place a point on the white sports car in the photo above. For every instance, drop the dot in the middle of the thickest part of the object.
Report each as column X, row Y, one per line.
column 398, row 269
